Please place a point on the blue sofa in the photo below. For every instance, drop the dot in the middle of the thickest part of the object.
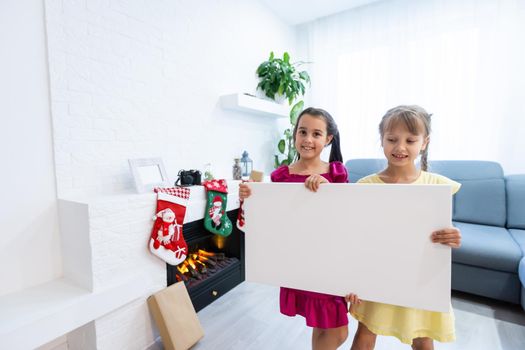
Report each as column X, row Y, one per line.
column 490, row 212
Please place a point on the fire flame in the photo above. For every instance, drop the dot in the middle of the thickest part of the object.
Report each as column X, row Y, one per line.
column 191, row 263
column 219, row 241
column 183, row 268
column 194, row 260
column 202, row 252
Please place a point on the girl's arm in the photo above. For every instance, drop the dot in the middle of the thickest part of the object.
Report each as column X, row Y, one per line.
column 312, row 182
column 244, row 191
column 449, row 236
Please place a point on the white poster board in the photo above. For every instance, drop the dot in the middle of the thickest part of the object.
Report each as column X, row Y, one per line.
column 372, row 240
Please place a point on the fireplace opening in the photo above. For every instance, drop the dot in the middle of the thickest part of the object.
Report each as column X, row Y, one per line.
column 215, row 264
column 202, row 264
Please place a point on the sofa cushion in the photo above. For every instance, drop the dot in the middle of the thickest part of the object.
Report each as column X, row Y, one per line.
column 515, row 185
column 467, row 169
column 481, row 202
column 358, row 168
column 481, row 199
column 519, row 238
column 487, row 246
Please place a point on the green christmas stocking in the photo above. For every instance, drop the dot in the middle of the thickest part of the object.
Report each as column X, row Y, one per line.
column 215, row 218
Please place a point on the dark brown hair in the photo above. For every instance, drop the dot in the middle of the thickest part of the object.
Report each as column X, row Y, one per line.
column 416, row 120
column 331, row 129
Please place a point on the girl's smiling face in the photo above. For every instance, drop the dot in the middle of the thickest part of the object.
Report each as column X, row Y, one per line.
column 401, row 147
column 311, row 136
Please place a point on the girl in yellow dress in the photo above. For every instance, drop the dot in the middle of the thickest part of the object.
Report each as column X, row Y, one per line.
column 405, row 132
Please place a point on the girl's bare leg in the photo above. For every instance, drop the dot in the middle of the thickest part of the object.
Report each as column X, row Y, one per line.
column 423, row 344
column 364, row 339
column 328, row 339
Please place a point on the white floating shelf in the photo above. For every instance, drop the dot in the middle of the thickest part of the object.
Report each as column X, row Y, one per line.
column 251, row 104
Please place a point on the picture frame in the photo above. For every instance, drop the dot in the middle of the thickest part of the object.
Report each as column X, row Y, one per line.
column 148, row 173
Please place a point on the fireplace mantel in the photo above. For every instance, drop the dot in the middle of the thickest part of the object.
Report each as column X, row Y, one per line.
column 106, row 265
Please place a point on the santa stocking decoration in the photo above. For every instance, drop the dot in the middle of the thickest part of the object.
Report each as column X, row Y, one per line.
column 167, row 241
column 215, row 218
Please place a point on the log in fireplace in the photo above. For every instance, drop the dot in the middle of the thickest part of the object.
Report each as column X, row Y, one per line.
column 208, row 280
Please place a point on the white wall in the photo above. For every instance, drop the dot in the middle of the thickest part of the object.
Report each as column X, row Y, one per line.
column 29, row 240
column 135, row 79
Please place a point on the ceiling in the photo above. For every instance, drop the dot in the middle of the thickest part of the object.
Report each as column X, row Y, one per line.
column 300, row 11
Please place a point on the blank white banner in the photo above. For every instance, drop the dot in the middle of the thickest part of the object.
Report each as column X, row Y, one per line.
column 372, row 240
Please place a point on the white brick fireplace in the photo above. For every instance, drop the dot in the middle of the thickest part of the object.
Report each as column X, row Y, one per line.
column 108, row 275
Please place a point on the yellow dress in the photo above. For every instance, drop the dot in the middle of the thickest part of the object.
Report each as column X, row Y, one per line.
column 401, row 322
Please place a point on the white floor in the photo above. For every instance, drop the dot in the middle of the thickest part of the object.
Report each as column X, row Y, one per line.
column 248, row 318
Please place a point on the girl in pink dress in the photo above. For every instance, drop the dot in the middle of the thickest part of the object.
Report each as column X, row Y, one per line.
column 315, row 130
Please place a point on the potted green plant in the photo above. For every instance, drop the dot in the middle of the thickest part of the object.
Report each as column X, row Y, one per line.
column 279, row 77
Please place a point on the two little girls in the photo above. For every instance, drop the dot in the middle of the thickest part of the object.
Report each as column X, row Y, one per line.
column 404, row 134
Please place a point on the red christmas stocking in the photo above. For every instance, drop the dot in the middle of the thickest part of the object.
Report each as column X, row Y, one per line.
column 240, row 215
column 167, row 241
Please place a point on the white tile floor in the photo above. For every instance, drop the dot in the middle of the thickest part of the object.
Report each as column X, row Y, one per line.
column 248, row 318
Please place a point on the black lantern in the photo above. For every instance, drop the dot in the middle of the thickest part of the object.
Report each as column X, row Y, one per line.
column 246, row 164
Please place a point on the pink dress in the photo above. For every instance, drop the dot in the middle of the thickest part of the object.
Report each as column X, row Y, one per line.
column 319, row 310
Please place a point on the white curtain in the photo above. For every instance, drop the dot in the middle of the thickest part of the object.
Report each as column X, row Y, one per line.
column 461, row 60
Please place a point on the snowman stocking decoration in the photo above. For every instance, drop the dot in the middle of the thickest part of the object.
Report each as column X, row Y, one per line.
column 215, row 218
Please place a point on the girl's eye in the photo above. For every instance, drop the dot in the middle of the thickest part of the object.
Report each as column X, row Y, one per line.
column 317, row 134
column 391, row 140
column 411, row 141
column 302, row 132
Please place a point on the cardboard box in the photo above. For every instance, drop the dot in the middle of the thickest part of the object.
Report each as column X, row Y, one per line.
column 176, row 318
column 257, row 176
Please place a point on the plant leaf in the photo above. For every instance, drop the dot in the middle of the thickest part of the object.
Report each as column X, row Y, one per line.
column 280, row 89
column 281, row 146
column 291, row 154
column 262, row 69
column 294, row 112
column 276, row 161
column 286, row 57
column 285, row 162
column 290, row 158
column 271, row 56
column 302, row 88
column 304, row 76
